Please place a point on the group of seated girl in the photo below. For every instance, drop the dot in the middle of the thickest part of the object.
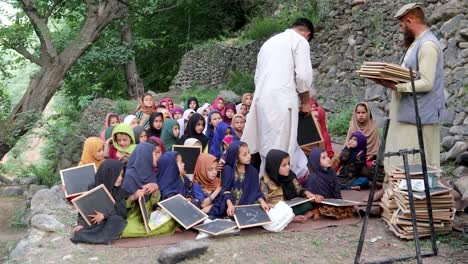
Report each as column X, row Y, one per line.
column 133, row 162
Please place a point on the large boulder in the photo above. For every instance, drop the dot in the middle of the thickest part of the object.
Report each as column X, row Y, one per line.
column 447, row 11
column 456, row 150
column 181, row 251
column 46, row 222
column 49, row 201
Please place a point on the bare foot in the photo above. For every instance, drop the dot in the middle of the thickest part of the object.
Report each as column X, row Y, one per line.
column 377, row 196
column 356, row 188
column 178, row 230
column 299, row 219
column 315, row 217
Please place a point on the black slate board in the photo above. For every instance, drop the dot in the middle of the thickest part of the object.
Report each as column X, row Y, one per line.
column 217, row 227
column 250, row 216
column 144, row 213
column 183, row 211
column 308, row 131
column 78, row 179
column 340, row 202
column 97, row 199
column 297, row 201
column 189, row 156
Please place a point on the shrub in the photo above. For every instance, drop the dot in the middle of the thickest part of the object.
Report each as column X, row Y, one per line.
column 203, row 94
column 240, row 82
column 338, row 123
column 16, row 220
column 125, row 106
column 265, row 28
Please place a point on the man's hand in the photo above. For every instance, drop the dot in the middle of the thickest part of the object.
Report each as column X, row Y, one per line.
column 386, row 83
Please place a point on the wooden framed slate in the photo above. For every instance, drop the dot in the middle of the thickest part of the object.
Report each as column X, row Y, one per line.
column 308, row 132
column 97, row 199
column 78, row 179
column 297, row 201
column 189, row 156
column 340, row 202
column 183, row 211
column 217, row 227
column 144, row 213
column 251, row 215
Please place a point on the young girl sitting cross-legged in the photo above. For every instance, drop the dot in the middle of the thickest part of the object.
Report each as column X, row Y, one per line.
column 280, row 184
column 206, row 186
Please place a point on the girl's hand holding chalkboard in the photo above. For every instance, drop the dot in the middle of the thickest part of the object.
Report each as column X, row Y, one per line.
column 150, row 188
column 230, row 210
column 76, row 229
column 264, row 205
column 139, row 193
column 318, row 198
column 97, row 217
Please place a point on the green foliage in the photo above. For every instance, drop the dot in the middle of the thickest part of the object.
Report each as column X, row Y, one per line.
column 45, row 173
column 16, row 220
column 265, row 28
column 5, row 103
column 449, row 169
column 125, row 106
column 338, row 123
column 203, row 94
column 240, row 82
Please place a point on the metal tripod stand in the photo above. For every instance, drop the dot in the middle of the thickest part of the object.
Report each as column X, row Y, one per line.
column 404, row 154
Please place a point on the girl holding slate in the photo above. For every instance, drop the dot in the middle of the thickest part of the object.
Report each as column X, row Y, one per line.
column 353, row 159
column 107, row 226
column 140, row 180
column 240, row 183
column 205, row 185
column 170, row 133
column 280, row 184
column 171, row 176
column 121, row 144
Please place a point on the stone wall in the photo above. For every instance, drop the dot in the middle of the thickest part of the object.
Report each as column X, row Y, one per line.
column 354, row 32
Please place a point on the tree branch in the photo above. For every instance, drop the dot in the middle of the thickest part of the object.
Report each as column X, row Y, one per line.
column 23, row 51
column 52, row 9
column 42, row 31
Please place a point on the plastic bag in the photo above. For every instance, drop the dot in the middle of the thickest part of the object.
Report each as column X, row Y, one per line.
column 281, row 215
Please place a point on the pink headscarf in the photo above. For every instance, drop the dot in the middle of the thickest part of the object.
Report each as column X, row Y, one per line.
column 214, row 106
column 170, row 105
column 322, row 120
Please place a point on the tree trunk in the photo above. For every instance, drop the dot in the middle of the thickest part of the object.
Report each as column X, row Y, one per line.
column 134, row 83
column 48, row 79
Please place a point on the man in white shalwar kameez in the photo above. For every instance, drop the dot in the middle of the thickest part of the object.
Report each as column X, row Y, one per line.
column 283, row 80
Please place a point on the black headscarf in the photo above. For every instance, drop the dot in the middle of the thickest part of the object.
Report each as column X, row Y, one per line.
column 322, row 181
column 137, row 131
column 273, row 163
column 192, row 99
column 107, row 174
column 152, row 131
column 190, row 131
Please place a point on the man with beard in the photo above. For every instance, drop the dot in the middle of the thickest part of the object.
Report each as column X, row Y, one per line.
column 425, row 56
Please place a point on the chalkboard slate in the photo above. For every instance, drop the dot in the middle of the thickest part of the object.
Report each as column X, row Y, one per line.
column 250, row 216
column 217, row 227
column 308, row 131
column 97, row 199
column 183, row 211
column 189, row 156
column 340, row 202
column 78, row 179
column 144, row 213
column 297, row 201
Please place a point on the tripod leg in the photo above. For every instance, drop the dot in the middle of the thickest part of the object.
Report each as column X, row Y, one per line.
column 379, row 162
column 413, row 211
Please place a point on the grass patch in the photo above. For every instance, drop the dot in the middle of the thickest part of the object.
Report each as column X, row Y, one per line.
column 125, row 106
column 264, row 28
column 202, row 93
column 16, row 220
column 240, row 82
column 338, row 123
column 449, row 169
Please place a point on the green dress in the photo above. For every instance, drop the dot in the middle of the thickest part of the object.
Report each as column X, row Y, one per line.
column 135, row 226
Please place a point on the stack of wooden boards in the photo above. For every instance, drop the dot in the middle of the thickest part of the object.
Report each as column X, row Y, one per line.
column 396, row 207
column 384, row 71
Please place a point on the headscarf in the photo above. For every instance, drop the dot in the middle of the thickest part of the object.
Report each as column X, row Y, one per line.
column 177, row 109
column 322, row 120
column 166, row 113
column 144, row 108
column 191, row 141
column 250, row 188
column 159, row 142
column 137, row 133
column 186, row 114
column 214, row 106
column 152, row 131
column 106, row 125
column 210, row 128
column 244, row 97
column 167, row 100
column 167, row 134
column 368, row 129
column 123, row 128
column 272, row 166
column 139, row 168
column 216, row 142
column 361, row 146
column 226, row 107
column 108, row 173
column 169, row 180
column 192, row 99
column 321, row 181
column 236, row 133
column 201, row 172
column 228, row 140
column 90, row 148
column 128, row 120
column 190, row 131
column 203, row 108
column 108, row 132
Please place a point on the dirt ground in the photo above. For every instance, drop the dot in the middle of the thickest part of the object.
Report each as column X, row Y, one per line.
column 328, row 245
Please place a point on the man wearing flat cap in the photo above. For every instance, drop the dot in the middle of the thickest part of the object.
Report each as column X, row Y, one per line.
column 425, row 56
